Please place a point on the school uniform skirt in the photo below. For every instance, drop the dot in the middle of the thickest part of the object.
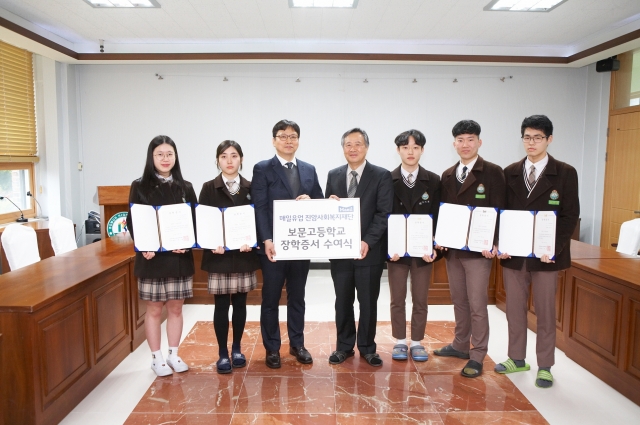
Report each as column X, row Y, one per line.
column 161, row 289
column 232, row 283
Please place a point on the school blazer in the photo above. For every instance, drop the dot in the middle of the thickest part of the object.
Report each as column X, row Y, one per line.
column 556, row 190
column 412, row 201
column 215, row 193
column 270, row 183
column 483, row 187
column 375, row 190
column 163, row 264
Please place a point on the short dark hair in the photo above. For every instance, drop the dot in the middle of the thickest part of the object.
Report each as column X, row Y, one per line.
column 283, row 125
column 149, row 178
column 466, row 127
column 537, row 122
column 226, row 145
column 403, row 138
column 356, row 130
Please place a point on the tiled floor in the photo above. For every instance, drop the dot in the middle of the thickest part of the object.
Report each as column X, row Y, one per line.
column 398, row 392
column 402, row 393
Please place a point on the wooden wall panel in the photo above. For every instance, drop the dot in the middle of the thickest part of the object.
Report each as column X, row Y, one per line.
column 65, row 331
column 111, row 315
column 595, row 317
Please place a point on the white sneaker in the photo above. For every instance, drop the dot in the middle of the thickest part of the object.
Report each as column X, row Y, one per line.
column 177, row 364
column 161, row 369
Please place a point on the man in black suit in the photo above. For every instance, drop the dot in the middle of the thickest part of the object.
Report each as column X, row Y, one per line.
column 282, row 177
column 374, row 187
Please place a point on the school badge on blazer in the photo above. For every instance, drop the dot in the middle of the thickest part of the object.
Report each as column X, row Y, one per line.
column 554, row 198
column 480, row 194
column 425, row 196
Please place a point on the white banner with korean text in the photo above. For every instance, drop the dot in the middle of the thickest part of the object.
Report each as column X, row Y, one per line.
column 316, row 229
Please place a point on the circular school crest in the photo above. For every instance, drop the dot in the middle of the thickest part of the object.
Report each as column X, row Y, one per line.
column 117, row 223
column 480, row 188
column 425, row 196
column 248, row 196
column 554, row 195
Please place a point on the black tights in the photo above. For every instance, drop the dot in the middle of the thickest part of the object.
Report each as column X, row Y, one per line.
column 221, row 320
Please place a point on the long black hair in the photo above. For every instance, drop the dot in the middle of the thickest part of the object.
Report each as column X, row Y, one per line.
column 226, row 145
column 150, row 180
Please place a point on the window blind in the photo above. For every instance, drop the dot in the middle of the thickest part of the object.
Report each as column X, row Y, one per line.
column 17, row 113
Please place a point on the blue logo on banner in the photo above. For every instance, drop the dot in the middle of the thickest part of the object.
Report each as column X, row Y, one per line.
column 345, row 209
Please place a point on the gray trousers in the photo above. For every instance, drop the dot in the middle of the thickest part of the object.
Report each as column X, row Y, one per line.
column 420, row 282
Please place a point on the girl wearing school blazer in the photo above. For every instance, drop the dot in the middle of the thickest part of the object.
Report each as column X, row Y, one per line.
column 164, row 278
column 232, row 274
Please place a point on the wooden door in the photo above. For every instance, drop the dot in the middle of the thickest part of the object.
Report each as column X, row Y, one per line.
column 622, row 176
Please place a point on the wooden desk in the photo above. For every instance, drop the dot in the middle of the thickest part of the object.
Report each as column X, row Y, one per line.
column 44, row 242
column 65, row 324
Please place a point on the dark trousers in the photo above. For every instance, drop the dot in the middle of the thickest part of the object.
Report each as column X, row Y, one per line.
column 294, row 273
column 347, row 279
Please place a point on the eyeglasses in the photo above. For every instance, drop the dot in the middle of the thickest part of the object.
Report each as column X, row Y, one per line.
column 168, row 155
column 535, row 139
column 284, row 137
column 356, row 146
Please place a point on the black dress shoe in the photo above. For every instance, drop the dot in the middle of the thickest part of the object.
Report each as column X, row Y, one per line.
column 273, row 359
column 302, row 355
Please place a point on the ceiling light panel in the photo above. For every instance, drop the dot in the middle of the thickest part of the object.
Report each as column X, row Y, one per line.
column 324, row 3
column 123, row 3
column 523, row 5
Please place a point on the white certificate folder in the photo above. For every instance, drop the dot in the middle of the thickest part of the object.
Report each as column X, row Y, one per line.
column 230, row 227
column 528, row 233
column 409, row 235
column 163, row 228
column 466, row 227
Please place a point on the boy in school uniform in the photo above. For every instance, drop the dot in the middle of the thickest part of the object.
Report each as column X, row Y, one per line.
column 538, row 182
column 416, row 191
column 479, row 183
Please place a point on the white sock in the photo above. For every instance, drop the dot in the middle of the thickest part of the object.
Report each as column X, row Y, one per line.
column 402, row 341
column 157, row 357
column 414, row 343
column 173, row 352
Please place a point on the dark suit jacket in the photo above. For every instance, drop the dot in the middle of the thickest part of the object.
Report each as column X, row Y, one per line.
column 410, row 201
column 375, row 191
column 557, row 176
column 215, row 193
column 270, row 183
column 484, row 173
column 167, row 263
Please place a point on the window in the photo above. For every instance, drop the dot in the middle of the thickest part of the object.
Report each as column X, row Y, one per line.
column 18, row 145
column 626, row 81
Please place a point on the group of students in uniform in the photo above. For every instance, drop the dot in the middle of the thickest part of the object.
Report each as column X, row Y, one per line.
column 537, row 182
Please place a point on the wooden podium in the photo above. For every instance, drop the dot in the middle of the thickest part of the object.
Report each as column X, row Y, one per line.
column 115, row 199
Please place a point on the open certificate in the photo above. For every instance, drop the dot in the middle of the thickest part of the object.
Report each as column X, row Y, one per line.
column 453, row 226
column 482, row 229
column 227, row 227
column 516, row 233
column 544, row 238
column 410, row 235
column 163, row 228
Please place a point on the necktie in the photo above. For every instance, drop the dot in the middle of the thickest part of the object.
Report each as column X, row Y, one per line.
column 532, row 175
column 410, row 178
column 353, row 185
column 232, row 187
column 294, row 180
column 289, row 165
column 463, row 176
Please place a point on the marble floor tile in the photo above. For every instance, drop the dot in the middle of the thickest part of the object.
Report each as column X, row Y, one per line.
column 381, row 392
column 179, row 419
column 389, row 419
column 455, row 393
column 286, row 393
column 192, row 392
column 283, row 419
column 320, row 366
column 502, row 418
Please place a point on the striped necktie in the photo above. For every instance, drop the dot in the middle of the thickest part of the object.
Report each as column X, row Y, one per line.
column 353, row 185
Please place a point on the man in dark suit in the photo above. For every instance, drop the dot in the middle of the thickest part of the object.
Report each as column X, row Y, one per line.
column 416, row 191
column 479, row 183
column 374, row 187
column 282, row 177
column 538, row 182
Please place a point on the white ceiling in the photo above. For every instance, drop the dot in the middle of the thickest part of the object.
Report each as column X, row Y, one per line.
column 375, row 26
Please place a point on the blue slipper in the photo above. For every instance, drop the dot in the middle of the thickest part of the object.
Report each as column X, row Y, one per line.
column 399, row 352
column 238, row 360
column 419, row 354
column 223, row 365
